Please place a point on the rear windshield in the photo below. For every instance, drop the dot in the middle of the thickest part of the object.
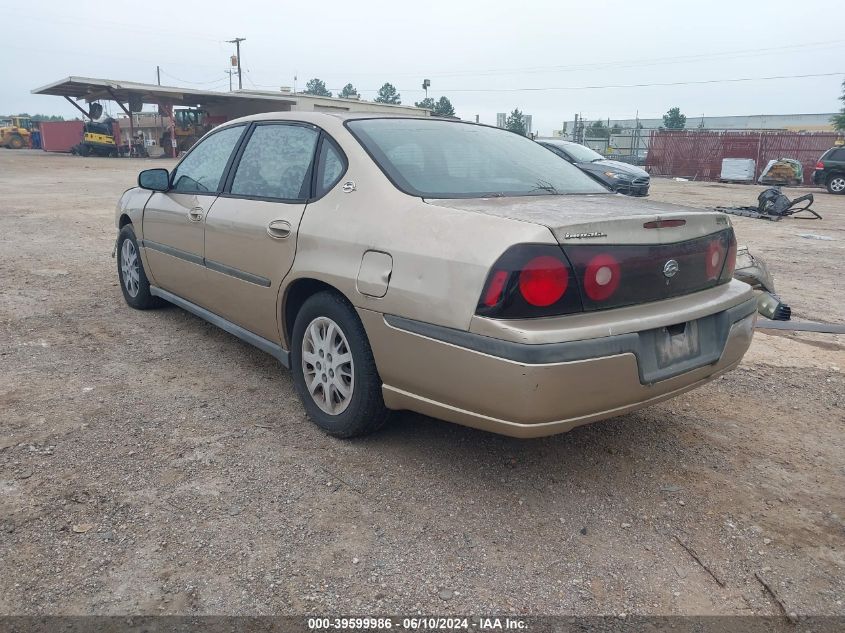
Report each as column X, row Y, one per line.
column 445, row 159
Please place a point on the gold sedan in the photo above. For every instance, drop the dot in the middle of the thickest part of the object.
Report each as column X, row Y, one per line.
column 449, row 268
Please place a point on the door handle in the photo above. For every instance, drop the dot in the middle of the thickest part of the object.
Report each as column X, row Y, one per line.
column 195, row 214
column 278, row 229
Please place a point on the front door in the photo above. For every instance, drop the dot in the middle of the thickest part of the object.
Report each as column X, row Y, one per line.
column 173, row 224
column 251, row 231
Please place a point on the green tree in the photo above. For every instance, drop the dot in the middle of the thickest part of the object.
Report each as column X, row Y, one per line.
column 444, row 107
column 839, row 120
column 516, row 122
column 597, row 129
column 387, row 94
column 348, row 91
column 674, row 120
column 317, row 87
column 428, row 103
column 47, row 117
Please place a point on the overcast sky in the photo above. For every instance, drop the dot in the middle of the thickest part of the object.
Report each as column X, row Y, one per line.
column 482, row 55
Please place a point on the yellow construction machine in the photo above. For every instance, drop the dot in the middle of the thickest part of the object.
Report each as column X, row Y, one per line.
column 191, row 124
column 16, row 132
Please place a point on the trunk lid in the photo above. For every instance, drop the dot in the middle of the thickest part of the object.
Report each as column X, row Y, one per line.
column 597, row 219
column 622, row 250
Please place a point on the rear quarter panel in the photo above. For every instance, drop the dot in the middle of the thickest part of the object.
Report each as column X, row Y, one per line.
column 441, row 256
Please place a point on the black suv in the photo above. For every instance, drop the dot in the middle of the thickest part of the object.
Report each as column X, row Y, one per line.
column 830, row 170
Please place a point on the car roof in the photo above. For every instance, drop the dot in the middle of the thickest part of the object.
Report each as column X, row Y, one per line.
column 316, row 117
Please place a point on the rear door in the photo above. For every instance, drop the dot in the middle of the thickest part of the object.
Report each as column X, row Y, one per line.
column 173, row 224
column 250, row 233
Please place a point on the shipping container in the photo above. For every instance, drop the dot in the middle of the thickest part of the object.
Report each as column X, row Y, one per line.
column 60, row 136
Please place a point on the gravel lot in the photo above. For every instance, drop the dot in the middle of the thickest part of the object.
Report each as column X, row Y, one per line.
column 150, row 463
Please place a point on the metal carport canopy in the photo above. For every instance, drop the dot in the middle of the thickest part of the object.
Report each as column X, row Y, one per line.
column 90, row 89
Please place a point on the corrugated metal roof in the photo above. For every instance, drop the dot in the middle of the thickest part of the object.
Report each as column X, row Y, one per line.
column 91, row 89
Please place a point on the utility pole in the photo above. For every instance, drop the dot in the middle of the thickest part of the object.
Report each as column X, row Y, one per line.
column 230, row 72
column 158, row 74
column 237, row 42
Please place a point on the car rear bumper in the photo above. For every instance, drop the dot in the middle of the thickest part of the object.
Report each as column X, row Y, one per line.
column 818, row 177
column 532, row 390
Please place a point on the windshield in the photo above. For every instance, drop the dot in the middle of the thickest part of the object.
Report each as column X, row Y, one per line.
column 581, row 153
column 443, row 159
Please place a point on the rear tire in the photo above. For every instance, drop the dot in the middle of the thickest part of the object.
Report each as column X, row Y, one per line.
column 130, row 271
column 333, row 368
column 836, row 184
column 16, row 142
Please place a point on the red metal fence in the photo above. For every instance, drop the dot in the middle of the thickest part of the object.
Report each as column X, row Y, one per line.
column 698, row 154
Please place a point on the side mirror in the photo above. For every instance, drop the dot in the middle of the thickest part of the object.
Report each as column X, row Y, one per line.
column 154, row 179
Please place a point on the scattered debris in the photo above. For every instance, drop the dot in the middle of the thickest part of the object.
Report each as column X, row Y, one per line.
column 753, row 271
column 806, row 326
column 774, row 205
column 82, row 528
column 446, row 594
column 698, row 560
column 783, row 171
column 813, row 236
column 737, row 170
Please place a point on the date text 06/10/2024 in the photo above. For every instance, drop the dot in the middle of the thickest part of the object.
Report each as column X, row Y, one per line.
column 420, row 623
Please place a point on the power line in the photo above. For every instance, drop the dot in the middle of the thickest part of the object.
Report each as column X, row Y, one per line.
column 619, row 64
column 195, row 83
column 606, row 86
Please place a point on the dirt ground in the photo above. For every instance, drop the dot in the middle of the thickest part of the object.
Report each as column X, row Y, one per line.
column 151, row 463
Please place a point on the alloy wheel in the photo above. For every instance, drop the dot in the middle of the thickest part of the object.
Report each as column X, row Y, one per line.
column 327, row 365
column 129, row 268
column 837, row 185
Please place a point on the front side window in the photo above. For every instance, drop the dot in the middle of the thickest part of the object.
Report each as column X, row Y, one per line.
column 276, row 163
column 444, row 159
column 203, row 167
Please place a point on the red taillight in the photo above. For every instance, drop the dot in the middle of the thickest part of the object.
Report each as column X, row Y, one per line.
column 820, row 165
column 495, row 288
column 530, row 281
column 543, row 280
column 715, row 258
column 601, row 277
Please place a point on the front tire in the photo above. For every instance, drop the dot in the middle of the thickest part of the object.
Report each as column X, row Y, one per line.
column 836, row 184
column 16, row 142
column 130, row 271
column 333, row 368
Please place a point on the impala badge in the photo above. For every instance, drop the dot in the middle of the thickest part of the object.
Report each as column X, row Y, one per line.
column 349, row 186
column 670, row 269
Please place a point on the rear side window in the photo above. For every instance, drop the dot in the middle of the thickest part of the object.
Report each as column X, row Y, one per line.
column 203, row 167
column 837, row 154
column 330, row 169
column 276, row 163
